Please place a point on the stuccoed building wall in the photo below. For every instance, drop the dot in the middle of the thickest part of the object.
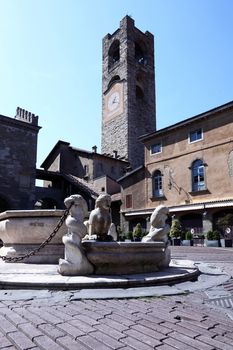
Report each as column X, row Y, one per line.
column 18, row 147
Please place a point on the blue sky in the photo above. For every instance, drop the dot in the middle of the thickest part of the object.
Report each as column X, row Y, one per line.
column 51, row 51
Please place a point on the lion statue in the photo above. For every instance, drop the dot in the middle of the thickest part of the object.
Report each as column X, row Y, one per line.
column 159, row 228
column 100, row 218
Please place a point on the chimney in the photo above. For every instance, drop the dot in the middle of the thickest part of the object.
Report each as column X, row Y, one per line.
column 94, row 149
column 25, row 116
column 115, row 154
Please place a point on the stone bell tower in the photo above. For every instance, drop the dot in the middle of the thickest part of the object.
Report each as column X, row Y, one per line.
column 128, row 91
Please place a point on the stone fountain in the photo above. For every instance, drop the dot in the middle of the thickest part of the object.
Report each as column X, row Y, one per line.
column 86, row 254
column 103, row 256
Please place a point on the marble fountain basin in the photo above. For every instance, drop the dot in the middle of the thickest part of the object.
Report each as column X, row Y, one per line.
column 24, row 230
column 114, row 258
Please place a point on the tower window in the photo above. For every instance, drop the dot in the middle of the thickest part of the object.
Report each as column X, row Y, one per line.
column 139, row 93
column 114, row 53
column 113, row 80
column 139, row 54
column 198, row 175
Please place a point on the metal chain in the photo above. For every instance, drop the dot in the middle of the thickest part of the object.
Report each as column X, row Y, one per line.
column 43, row 244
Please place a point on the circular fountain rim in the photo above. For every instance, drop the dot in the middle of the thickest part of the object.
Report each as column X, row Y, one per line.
column 34, row 276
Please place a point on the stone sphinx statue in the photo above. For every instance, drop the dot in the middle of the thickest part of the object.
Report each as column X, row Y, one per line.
column 159, row 230
column 100, row 219
column 75, row 261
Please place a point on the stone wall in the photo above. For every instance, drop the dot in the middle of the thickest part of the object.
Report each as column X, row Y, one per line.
column 18, row 147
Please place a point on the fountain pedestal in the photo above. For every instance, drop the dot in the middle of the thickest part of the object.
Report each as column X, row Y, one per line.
column 114, row 258
column 24, row 230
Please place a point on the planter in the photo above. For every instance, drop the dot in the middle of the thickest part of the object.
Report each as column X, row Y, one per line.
column 186, row 242
column 176, row 241
column 212, row 243
column 226, row 243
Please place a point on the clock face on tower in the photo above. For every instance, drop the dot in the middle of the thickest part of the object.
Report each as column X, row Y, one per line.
column 113, row 102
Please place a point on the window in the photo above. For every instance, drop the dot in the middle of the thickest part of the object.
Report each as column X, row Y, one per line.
column 128, row 201
column 195, row 135
column 114, row 53
column 157, row 184
column 86, row 170
column 139, row 54
column 198, row 176
column 156, row 148
column 139, row 93
column 113, row 80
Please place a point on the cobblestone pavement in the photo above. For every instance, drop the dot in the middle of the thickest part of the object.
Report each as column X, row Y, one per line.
column 165, row 323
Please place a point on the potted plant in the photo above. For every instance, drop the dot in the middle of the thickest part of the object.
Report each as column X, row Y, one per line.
column 176, row 232
column 129, row 236
column 225, row 225
column 188, row 239
column 212, row 238
column 137, row 232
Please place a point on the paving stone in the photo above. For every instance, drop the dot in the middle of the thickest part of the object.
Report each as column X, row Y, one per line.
column 121, row 320
column 93, row 343
column 51, row 331
column 177, row 314
column 155, row 326
column 70, row 329
column 107, row 340
column 12, row 316
column 148, row 331
column 178, row 327
column 82, row 326
column 4, row 342
column 214, row 342
column 44, row 315
column 224, row 339
column 46, row 343
column 197, row 329
column 90, row 321
column 57, row 313
column 113, row 324
column 136, row 344
column 30, row 330
column 21, row 341
column 190, row 342
column 69, row 343
column 165, row 347
column 35, row 319
column 6, row 326
column 110, row 331
column 175, row 343
column 144, row 338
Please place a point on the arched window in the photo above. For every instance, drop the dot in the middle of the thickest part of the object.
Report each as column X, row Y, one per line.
column 114, row 53
column 157, row 184
column 139, row 93
column 198, row 175
column 113, row 80
column 140, row 56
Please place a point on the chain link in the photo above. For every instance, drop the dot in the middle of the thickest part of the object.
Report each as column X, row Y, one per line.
column 43, row 244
